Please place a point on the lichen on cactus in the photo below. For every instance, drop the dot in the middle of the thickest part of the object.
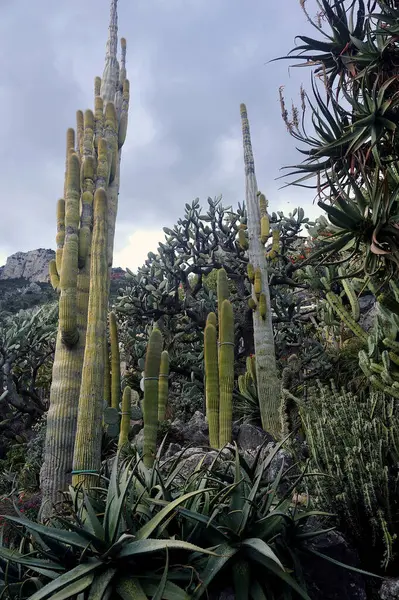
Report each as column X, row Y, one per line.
column 262, row 306
column 151, row 391
column 212, row 380
column 163, row 387
column 226, row 373
column 258, row 283
column 125, row 417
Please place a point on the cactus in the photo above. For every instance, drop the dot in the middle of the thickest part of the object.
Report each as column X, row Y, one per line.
column 211, row 381
column 222, row 292
column 163, row 386
column 263, row 206
column 252, row 304
column 250, row 272
column 151, row 390
column 115, row 361
column 226, row 373
column 91, row 160
column 349, row 321
column 264, row 229
column 262, row 306
column 268, row 384
column 87, row 453
column 275, row 245
column 125, row 420
column 242, row 239
column 350, row 292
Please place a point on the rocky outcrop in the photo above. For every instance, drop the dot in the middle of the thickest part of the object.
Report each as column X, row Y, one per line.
column 32, row 265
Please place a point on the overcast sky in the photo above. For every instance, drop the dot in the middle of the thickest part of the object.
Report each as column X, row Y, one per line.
column 190, row 64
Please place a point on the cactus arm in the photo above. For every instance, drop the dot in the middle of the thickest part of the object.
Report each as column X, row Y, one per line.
column 125, row 421
column 60, row 237
column 222, row 293
column 211, row 381
column 350, row 292
column 54, row 277
column 115, row 362
column 151, row 390
column 226, row 373
column 87, row 178
column 87, row 454
column 163, row 386
column 79, row 133
column 349, row 321
column 69, row 267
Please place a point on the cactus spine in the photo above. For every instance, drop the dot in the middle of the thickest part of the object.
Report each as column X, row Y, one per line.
column 115, row 362
column 212, row 379
column 89, row 161
column 151, row 390
column 163, row 386
column 125, row 420
column 266, row 369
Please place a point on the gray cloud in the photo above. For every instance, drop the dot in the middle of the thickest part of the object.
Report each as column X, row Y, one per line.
column 190, row 63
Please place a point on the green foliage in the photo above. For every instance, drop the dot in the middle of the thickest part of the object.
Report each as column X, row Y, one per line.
column 355, row 137
column 354, row 446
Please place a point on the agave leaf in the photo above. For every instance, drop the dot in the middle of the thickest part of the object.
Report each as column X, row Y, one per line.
column 259, row 546
column 171, row 591
column 70, row 577
column 73, row 589
column 343, row 565
column 100, row 584
column 129, row 588
column 147, row 546
column 277, row 570
column 162, row 584
column 149, row 527
column 28, row 561
column 257, row 592
column 59, row 535
column 213, row 566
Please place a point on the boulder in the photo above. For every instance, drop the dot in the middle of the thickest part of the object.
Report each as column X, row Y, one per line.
column 390, row 589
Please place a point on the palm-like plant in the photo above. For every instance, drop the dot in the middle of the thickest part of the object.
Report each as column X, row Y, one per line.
column 355, row 150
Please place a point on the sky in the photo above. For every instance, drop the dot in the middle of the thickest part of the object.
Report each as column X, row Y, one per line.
column 190, row 64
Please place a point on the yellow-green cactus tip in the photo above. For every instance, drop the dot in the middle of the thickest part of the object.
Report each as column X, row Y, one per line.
column 126, row 86
column 73, row 171
column 102, row 146
column 211, row 319
column 123, row 43
column 243, row 108
column 89, row 119
column 79, row 116
column 110, row 112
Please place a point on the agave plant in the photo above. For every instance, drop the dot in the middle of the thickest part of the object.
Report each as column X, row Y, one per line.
column 257, row 532
column 102, row 549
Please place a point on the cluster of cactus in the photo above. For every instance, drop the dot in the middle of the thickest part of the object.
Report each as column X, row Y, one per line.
column 219, row 367
column 258, row 299
column 354, row 449
column 86, row 218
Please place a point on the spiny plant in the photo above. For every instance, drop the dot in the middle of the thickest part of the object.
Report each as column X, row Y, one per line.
column 353, row 445
column 92, row 171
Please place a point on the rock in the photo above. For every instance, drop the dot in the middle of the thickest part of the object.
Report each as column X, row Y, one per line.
column 390, row 589
column 250, row 437
column 195, row 432
column 32, row 288
column 326, row 581
column 32, row 265
column 136, row 426
column 138, row 440
column 368, row 311
column 192, row 456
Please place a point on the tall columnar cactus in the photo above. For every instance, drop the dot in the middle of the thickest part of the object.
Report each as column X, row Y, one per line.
column 266, row 368
column 125, row 420
column 92, row 162
column 163, row 387
column 151, row 390
column 226, row 373
column 87, row 454
column 212, row 379
column 115, row 362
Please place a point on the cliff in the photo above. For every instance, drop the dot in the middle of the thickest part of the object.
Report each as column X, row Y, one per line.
column 32, row 265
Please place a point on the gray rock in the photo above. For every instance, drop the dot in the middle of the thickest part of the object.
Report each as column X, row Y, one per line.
column 390, row 589
column 138, row 440
column 32, row 265
column 250, row 437
column 195, row 432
